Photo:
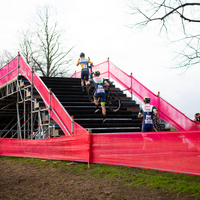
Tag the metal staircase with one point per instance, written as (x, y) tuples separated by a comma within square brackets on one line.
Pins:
[(78, 105), (23, 113)]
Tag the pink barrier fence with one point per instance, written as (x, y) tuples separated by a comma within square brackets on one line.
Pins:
[(172, 152), (161, 151), (63, 148), (168, 151), (166, 111)]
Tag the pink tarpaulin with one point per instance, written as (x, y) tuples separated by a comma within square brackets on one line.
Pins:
[(63, 148), (168, 151), (174, 152), (166, 111)]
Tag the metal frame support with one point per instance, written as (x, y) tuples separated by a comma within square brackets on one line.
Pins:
[(108, 68), (26, 119), (40, 127), (24, 115), (19, 135), (131, 86), (31, 103), (7, 77), (49, 130)]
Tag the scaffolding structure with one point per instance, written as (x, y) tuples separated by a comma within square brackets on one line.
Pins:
[(23, 113)]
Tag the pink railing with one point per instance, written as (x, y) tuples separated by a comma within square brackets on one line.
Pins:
[(166, 111), (57, 112)]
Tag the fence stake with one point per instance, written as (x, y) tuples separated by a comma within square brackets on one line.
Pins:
[(31, 103), (131, 87), (90, 148), (49, 131), (72, 119), (158, 101), (108, 69), (7, 77)]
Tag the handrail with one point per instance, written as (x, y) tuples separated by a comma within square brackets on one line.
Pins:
[(24, 69), (42, 91), (167, 112)]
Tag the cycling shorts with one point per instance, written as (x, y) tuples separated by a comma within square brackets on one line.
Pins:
[(102, 96), (84, 75), (147, 127)]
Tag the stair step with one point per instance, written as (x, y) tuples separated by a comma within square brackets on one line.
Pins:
[(77, 104), (114, 128), (107, 119)]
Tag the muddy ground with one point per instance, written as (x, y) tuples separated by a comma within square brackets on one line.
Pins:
[(28, 180)]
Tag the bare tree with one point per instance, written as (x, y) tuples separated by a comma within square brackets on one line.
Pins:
[(178, 19), (43, 47), (5, 57)]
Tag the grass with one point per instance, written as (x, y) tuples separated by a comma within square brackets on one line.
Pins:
[(181, 184)]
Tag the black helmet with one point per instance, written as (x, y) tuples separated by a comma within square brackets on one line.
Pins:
[(146, 99), (97, 73), (82, 55)]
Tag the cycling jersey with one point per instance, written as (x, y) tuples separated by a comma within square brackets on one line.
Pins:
[(147, 112), (84, 64), (84, 68), (100, 91)]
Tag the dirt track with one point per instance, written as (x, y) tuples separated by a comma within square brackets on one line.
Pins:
[(28, 180)]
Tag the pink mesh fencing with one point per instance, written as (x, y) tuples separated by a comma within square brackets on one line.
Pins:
[(166, 111), (165, 151), (168, 151), (64, 148)]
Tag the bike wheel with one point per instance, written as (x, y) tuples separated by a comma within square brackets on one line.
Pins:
[(156, 125), (91, 91), (113, 102)]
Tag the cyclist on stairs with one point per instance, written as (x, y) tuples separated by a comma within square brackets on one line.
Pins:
[(147, 111), (84, 69), (100, 92)]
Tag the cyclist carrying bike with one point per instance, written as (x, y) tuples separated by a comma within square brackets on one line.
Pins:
[(84, 69), (100, 92), (147, 111)]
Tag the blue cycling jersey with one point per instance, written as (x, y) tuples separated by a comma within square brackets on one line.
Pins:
[(98, 84), (147, 111), (100, 91)]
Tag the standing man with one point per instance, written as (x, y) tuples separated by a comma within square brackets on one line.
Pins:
[(147, 111), (99, 92), (84, 69), (197, 117)]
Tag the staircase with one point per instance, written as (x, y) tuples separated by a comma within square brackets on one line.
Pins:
[(69, 93), (77, 104)]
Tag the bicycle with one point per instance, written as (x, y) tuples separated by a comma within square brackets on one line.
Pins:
[(156, 125), (112, 99)]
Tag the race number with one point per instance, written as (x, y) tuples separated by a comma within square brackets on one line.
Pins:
[(100, 89), (148, 120)]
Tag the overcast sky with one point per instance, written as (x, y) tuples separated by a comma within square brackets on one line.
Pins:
[(99, 29)]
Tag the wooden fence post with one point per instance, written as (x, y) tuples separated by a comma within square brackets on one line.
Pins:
[(90, 148)]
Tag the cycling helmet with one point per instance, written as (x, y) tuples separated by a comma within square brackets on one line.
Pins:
[(97, 73), (146, 99), (82, 55)]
